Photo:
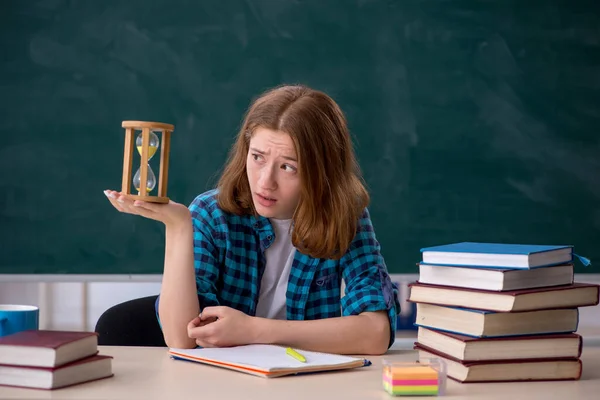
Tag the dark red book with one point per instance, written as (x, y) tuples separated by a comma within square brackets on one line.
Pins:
[(80, 371), (45, 348), (548, 369), (547, 298)]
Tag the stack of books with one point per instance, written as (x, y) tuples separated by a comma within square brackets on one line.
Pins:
[(500, 312), (44, 359)]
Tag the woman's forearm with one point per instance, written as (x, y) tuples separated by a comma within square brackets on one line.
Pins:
[(368, 333), (178, 296)]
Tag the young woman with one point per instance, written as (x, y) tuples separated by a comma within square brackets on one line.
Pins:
[(261, 258)]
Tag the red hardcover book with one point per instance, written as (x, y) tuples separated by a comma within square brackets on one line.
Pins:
[(45, 348), (547, 298), (80, 371), (548, 369)]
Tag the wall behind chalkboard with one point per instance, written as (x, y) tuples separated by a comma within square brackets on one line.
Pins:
[(472, 120)]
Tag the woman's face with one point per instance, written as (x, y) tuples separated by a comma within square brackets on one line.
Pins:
[(272, 167)]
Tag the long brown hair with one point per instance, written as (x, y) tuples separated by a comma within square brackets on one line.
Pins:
[(332, 196)]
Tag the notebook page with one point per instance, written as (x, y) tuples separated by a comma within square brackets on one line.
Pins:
[(266, 357)]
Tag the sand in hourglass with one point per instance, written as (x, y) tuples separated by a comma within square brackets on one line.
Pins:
[(153, 145)]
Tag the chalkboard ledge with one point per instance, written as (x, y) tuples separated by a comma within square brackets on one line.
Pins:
[(81, 278)]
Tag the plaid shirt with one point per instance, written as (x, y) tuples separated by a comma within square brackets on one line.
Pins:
[(229, 261)]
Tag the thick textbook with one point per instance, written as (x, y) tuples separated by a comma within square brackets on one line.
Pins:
[(498, 279), (567, 296), (47, 348), (85, 370), (477, 323), (498, 255), (506, 370), (466, 348)]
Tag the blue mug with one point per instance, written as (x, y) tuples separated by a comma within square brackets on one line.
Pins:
[(15, 318)]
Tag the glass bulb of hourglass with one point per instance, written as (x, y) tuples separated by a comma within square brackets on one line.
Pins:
[(153, 144), (150, 181)]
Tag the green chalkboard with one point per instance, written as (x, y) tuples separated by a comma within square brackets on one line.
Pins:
[(473, 120)]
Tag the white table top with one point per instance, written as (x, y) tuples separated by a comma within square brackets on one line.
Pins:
[(149, 373)]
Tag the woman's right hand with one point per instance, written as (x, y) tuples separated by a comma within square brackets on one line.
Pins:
[(171, 214)]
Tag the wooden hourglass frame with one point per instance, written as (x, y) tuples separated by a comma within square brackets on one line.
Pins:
[(130, 143)]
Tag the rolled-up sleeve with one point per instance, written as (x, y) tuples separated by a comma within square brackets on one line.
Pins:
[(206, 256), (368, 284)]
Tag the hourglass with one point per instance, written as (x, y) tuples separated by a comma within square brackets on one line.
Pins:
[(147, 144)]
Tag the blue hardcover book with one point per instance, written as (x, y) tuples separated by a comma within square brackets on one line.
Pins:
[(497, 255), (478, 323)]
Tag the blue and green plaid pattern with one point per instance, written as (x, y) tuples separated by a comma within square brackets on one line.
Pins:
[(229, 261)]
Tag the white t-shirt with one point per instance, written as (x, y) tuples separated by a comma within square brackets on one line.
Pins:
[(279, 257)]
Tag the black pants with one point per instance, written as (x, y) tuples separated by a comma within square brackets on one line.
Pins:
[(132, 323)]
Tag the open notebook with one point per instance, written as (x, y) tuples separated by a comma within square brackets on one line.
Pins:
[(269, 361)]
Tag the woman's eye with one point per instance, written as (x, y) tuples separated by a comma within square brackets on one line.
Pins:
[(288, 168)]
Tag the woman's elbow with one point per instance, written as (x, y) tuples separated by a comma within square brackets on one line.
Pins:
[(378, 345), (377, 342), (180, 343)]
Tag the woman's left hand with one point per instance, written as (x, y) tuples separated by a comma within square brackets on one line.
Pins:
[(222, 326)]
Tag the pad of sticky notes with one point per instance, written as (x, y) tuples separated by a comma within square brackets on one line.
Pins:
[(411, 380)]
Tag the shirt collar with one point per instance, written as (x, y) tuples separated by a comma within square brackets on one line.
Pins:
[(260, 223)]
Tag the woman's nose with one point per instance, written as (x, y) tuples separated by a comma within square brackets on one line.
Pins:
[(266, 179)]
